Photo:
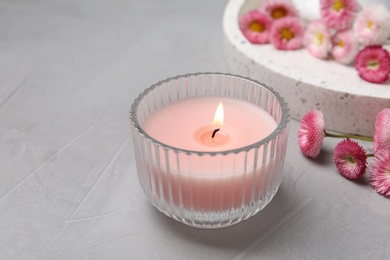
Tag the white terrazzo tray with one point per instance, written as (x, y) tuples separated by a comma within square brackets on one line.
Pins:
[(349, 104)]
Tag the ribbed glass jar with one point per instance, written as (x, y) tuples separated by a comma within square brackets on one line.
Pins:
[(210, 189)]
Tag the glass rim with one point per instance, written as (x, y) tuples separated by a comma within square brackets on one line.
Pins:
[(285, 118)]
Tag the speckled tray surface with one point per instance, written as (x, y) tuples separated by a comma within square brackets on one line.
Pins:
[(349, 104)]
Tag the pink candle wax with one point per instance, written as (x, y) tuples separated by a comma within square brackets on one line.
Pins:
[(184, 123), (217, 182)]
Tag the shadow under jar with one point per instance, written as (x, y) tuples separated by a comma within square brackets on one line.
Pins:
[(202, 173)]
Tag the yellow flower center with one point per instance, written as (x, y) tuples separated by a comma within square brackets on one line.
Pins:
[(320, 38), (373, 64), (286, 34), (256, 27), (370, 24), (341, 44), (278, 12), (338, 5), (350, 160)]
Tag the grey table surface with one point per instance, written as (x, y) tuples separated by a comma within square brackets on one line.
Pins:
[(69, 71)]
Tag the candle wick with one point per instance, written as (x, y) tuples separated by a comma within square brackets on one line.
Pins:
[(214, 132)]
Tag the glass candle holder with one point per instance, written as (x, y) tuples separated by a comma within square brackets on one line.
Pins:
[(225, 178)]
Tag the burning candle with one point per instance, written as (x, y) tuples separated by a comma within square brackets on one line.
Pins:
[(209, 160), (186, 124)]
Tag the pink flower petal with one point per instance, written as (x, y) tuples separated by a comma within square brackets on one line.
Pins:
[(255, 26), (317, 39), (380, 172), (287, 34), (278, 9), (373, 64), (350, 159), (311, 133), (372, 25), (382, 130), (344, 47), (338, 14)]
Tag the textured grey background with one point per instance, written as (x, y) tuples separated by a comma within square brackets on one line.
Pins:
[(69, 71)]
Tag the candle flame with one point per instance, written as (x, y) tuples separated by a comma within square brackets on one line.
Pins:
[(218, 117)]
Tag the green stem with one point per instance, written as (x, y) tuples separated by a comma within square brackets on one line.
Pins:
[(359, 137), (369, 154)]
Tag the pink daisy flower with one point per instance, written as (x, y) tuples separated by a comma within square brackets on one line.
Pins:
[(382, 130), (373, 64), (317, 39), (380, 172), (311, 133), (372, 25), (255, 26), (350, 159), (287, 34), (277, 9), (344, 46), (338, 14)]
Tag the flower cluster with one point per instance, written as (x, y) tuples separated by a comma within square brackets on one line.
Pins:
[(276, 22), (345, 32), (349, 157), (352, 35)]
